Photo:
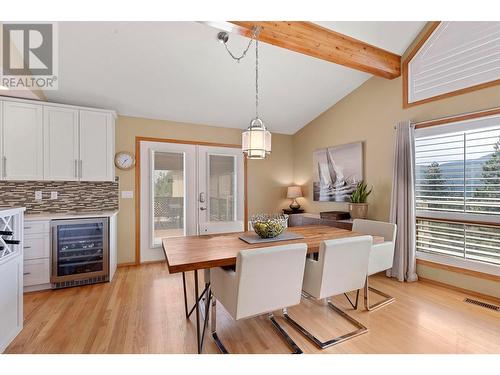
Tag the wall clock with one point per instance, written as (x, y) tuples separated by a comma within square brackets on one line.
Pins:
[(124, 160)]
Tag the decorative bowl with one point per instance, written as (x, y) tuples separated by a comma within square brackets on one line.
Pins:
[(269, 226)]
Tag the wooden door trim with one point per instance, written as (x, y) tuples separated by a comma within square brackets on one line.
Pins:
[(404, 68), (138, 141)]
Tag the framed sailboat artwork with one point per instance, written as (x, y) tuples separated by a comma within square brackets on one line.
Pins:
[(337, 171)]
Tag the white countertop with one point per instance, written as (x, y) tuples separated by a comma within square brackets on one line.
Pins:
[(68, 215)]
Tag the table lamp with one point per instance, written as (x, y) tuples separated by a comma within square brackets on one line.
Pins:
[(294, 192)]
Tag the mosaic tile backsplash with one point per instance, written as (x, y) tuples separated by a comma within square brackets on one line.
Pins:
[(72, 196)]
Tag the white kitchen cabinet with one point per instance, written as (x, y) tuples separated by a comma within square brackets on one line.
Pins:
[(96, 146), (22, 141), (55, 142), (60, 139), (36, 255)]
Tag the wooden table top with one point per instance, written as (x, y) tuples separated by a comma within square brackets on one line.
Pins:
[(191, 253)]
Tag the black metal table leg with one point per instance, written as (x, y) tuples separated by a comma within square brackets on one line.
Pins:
[(185, 296), (197, 308)]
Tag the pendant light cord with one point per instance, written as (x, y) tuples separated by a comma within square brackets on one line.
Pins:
[(256, 76), (255, 36)]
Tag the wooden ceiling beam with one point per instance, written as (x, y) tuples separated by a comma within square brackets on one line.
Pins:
[(313, 40)]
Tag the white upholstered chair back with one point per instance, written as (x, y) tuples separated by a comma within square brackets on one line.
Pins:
[(341, 267), (269, 278), (265, 280), (382, 254)]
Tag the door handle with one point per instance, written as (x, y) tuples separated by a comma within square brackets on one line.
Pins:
[(203, 208)]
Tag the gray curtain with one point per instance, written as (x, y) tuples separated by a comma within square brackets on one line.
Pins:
[(403, 204)]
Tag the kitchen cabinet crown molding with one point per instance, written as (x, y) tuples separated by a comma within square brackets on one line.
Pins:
[(55, 104)]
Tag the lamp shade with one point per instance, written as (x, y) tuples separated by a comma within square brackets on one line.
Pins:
[(256, 140), (294, 192)]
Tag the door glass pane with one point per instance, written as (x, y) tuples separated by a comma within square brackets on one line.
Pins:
[(222, 194), (168, 195)]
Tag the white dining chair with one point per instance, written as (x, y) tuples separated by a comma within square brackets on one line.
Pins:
[(381, 256), (265, 280), (341, 267)]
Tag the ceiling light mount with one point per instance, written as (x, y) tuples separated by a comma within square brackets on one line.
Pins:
[(223, 37)]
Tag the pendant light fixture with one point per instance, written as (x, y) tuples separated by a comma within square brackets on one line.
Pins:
[(256, 139)]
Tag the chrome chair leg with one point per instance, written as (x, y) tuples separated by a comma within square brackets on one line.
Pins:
[(388, 299), (355, 304), (222, 348), (337, 340), (289, 341), (213, 328)]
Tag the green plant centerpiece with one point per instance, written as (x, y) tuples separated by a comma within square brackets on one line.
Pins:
[(358, 208), (269, 226)]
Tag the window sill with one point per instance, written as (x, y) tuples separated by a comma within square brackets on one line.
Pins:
[(458, 265)]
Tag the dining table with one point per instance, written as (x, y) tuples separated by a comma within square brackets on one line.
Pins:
[(202, 252)]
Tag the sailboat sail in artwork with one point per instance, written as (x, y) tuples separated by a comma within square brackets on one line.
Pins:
[(339, 171)]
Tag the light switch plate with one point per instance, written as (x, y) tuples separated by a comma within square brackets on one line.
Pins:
[(38, 195), (127, 194), (53, 195)]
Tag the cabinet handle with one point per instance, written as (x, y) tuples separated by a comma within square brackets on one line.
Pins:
[(26, 273), (81, 168), (4, 168), (76, 168), (27, 227), (26, 247)]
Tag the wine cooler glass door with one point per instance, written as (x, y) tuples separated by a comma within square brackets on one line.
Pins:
[(80, 249)]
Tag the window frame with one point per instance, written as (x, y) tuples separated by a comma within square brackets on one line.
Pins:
[(442, 126)]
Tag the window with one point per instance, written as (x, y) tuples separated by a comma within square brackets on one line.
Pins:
[(457, 190)]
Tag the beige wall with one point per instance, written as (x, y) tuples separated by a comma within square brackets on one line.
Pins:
[(267, 179), (369, 114)]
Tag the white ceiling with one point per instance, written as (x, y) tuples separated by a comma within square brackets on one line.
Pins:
[(178, 71)]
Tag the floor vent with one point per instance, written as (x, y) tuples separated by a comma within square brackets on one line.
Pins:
[(482, 304), (69, 284)]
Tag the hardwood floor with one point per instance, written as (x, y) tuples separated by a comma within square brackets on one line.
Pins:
[(142, 311)]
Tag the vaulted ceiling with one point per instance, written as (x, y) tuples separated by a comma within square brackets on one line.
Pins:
[(179, 71)]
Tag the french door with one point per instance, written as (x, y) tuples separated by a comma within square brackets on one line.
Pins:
[(187, 190)]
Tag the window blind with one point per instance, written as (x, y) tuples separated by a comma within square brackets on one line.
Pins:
[(457, 190), (459, 172)]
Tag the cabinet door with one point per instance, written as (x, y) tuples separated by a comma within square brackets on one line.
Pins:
[(60, 141), (96, 146), (22, 141)]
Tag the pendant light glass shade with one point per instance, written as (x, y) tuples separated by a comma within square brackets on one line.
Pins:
[(256, 140)]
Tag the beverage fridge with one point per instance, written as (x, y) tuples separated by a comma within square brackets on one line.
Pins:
[(80, 252)]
